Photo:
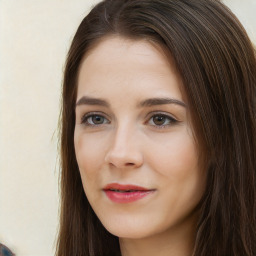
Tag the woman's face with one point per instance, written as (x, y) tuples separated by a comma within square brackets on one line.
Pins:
[(133, 140)]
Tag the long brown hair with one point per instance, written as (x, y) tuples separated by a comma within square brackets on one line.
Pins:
[(217, 63)]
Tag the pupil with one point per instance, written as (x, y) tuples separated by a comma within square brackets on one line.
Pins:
[(97, 120), (159, 120)]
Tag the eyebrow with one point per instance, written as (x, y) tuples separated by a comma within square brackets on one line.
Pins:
[(161, 101), (85, 100)]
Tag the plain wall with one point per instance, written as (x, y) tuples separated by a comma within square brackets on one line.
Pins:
[(34, 38)]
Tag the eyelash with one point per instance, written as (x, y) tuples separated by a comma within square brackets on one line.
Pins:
[(86, 117), (171, 120)]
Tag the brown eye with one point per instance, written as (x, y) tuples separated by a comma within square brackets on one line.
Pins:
[(159, 120), (162, 120)]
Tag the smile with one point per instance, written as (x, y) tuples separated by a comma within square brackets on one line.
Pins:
[(126, 193)]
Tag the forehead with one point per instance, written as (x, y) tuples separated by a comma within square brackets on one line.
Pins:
[(120, 43), (125, 64)]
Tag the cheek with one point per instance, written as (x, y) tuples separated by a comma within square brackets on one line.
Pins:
[(89, 154), (175, 155), (175, 160)]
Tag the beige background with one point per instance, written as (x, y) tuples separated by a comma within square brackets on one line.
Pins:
[(34, 39)]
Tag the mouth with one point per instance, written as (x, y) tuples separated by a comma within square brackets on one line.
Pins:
[(126, 193)]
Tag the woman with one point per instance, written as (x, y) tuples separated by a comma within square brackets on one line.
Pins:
[(158, 144)]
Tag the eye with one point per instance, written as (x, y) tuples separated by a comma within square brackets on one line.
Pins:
[(94, 119), (161, 120)]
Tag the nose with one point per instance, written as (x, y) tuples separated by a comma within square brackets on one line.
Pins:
[(124, 150)]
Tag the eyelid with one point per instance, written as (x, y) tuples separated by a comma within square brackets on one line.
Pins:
[(90, 114), (173, 120), (159, 112)]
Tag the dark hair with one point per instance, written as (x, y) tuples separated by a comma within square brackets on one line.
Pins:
[(217, 63)]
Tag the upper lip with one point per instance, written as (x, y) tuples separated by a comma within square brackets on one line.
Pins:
[(125, 187)]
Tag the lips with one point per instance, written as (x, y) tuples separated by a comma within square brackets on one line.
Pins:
[(126, 193)]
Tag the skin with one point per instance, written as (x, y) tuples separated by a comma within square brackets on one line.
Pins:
[(146, 145)]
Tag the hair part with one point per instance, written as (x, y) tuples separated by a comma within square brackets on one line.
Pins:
[(216, 60)]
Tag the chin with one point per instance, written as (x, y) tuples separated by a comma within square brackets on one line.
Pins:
[(130, 227), (127, 232)]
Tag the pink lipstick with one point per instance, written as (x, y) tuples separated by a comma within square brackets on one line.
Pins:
[(126, 193)]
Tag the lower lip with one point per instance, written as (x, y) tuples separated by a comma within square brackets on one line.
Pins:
[(126, 197)]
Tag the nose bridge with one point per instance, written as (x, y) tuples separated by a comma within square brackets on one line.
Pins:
[(123, 135), (124, 149)]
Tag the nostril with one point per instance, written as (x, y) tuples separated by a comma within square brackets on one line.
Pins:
[(129, 164)]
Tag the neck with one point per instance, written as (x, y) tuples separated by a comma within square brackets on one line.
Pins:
[(176, 241)]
